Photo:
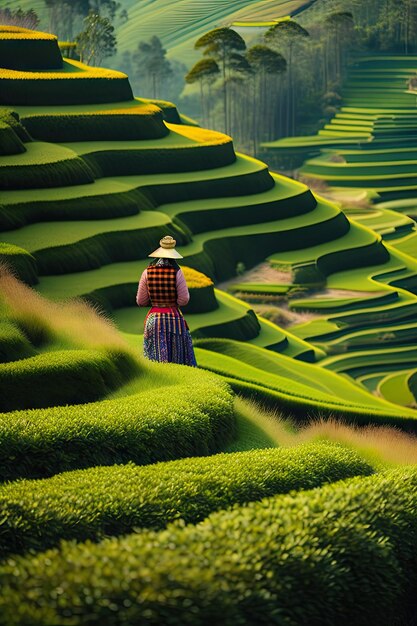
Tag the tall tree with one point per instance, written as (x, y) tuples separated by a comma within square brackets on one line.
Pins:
[(204, 72), (97, 41), (66, 16), (340, 27), (285, 35), (151, 66), (266, 64), (221, 44), (105, 8)]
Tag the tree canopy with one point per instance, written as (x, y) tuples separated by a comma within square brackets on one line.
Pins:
[(97, 41)]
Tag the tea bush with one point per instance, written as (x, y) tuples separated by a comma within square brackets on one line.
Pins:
[(76, 83), (20, 261), (72, 171), (86, 207), (119, 124), (93, 503), (60, 377), (161, 160), (201, 288), (23, 49), (193, 418), (340, 554), (104, 248), (9, 141), (13, 343)]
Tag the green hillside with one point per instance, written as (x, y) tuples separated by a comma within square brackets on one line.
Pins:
[(90, 209), (366, 159), (117, 474), (179, 23)]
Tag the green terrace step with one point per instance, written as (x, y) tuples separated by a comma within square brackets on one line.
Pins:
[(350, 243), (43, 165), (254, 375), (369, 361), (336, 305), (374, 156), (287, 198), (370, 381), (365, 338), (385, 222), (74, 83), (366, 169), (251, 175), (324, 223), (394, 388)]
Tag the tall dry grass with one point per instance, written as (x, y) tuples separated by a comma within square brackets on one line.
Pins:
[(71, 321), (383, 446)]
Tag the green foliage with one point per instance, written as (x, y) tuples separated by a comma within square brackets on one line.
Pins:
[(243, 328), (102, 501), (103, 248), (293, 559), (97, 41), (204, 71), (13, 342), (286, 32), (52, 90), (67, 377), (194, 417), (220, 42), (104, 206), (72, 171), (266, 60), (101, 126), (30, 53), (202, 300), (412, 384), (9, 141), (162, 160), (151, 68), (20, 262), (12, 133), (10, 117)]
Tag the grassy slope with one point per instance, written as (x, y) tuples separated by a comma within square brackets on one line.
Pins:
[(162, 411), (35, 237), (179, 23)]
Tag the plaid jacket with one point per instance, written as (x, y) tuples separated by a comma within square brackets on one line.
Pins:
[(162, 285)]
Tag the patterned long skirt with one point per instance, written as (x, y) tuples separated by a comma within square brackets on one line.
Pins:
[(167, 339)]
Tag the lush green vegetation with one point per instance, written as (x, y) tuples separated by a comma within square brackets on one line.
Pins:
[(104, 500), (97, 442), (256, 557)]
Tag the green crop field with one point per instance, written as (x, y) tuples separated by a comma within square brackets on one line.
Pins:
[(240, 491), (178, 23)]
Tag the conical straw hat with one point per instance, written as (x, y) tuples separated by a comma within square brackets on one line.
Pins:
[(167, 249)]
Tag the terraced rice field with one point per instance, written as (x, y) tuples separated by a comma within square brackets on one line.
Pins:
[(118, 474), (104, 225), (366, 157)]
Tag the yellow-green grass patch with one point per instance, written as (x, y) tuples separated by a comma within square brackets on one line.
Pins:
[(395, 388), (74, 83)]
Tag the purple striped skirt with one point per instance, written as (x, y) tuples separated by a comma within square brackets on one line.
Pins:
[(167, 338)]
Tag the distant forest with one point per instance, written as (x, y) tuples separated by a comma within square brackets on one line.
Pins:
[(286, 82)]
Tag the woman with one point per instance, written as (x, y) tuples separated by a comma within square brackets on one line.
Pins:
[(166, 335)]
